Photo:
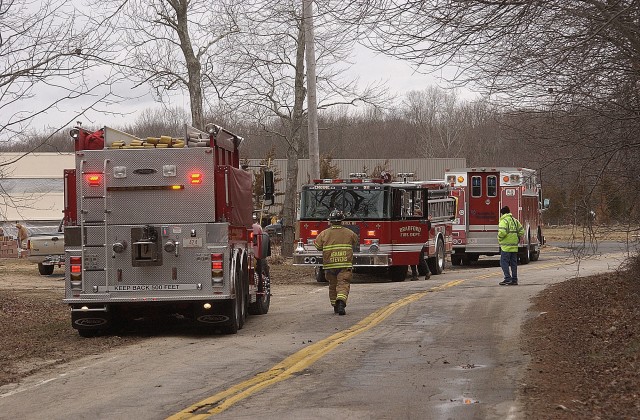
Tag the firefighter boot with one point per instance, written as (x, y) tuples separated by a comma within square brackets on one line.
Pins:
[(340, 307)]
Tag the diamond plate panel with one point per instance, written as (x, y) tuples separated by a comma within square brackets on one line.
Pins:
[(143, 194)]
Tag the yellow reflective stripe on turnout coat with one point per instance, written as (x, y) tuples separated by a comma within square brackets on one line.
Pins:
[(336, 244)]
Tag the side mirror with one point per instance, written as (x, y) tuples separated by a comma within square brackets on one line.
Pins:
[(269, 188)]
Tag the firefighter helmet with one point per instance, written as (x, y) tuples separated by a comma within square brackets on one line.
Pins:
[(336, 216)]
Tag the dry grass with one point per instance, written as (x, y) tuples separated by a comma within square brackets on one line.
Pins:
[(601, 233)]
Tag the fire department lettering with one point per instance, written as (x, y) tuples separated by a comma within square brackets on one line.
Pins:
[(409, 231)]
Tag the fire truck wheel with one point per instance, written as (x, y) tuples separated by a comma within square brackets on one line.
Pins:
[(436, 263), (535, 255), (45, 270), (243, 276), (525, 255), (236, 306), (423, 269), (263, 280), (398, 272), (320, 278)]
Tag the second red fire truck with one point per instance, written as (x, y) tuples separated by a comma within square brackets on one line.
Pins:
[(399, 223), (481, 193)]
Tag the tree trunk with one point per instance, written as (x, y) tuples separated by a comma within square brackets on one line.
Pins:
[(312, 107), (297, 118), (192, 63)]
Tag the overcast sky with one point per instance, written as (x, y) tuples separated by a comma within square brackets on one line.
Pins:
[(369, 67)]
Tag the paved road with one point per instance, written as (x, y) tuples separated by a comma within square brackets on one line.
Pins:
[(443, 348)]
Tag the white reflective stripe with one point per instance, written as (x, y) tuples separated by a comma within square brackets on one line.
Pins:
[(399, 247)]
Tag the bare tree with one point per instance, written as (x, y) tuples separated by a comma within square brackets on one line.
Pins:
[(270, 55), (46, 50), (437, 117), (174, 46), (568, 70), (48, 58)]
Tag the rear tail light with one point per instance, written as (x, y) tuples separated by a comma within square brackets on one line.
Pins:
[(75, 272), (94, 180), (217, 268)]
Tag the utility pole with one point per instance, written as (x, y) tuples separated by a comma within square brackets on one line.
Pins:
[(312, 105)]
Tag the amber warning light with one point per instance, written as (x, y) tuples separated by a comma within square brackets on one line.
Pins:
[(195, 178)]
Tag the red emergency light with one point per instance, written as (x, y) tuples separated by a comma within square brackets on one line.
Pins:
[(94, 180)]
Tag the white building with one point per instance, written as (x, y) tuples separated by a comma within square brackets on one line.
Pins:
[(31, 188)]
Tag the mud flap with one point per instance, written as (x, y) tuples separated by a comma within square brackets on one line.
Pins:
[(93, 319), (215, 317)]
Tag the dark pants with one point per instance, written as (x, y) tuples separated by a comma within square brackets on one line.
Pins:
[(509, 260)]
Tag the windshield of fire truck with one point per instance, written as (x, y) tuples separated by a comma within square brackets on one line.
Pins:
[(357, 202)]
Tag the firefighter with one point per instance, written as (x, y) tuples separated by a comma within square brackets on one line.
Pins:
[(509, 233), (336, 243)]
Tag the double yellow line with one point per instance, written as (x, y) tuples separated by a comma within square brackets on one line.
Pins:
[(296, 362), (306, 357)]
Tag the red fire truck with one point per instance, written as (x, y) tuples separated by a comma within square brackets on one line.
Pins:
[(481, 193), (399, 223), (161, 226)]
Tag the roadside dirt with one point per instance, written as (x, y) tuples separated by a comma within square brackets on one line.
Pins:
[(583, 338)]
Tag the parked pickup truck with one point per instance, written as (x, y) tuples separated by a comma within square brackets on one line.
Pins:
[(46, 249)]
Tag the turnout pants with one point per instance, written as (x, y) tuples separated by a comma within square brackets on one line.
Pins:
[(339, 284)]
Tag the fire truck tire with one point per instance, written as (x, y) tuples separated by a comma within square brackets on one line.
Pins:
[(525, 256), (243, 276), (535, 255), (45, 270), (398, 272), (436, 263), (263, 280), (233, 326), (236, 309), (320, 278), (423, 268)]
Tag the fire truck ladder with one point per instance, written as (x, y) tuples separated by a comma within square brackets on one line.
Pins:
[(441, 206), (89, 223), (441, 209)]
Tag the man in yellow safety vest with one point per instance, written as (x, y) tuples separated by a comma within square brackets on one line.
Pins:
[(509, 233)]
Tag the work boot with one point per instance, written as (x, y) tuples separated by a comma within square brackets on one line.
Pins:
[(340, 307), (335, 308)]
